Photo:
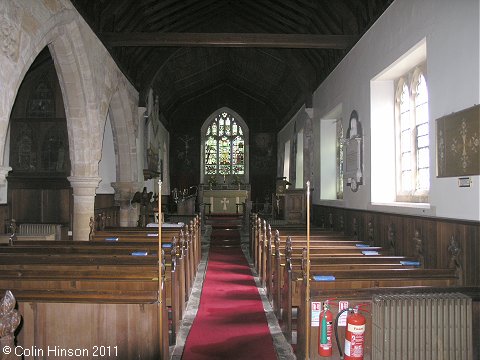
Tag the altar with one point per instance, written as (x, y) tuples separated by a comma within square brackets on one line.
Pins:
[(225, 200)]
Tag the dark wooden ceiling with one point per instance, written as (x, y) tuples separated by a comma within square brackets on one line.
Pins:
[(205, 53)]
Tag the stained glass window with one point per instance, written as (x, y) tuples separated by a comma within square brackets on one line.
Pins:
[(224, 147)]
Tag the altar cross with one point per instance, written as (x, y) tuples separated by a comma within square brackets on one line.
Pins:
[(225, 201)]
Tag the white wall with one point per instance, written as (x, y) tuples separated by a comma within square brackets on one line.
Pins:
[(328, 162), (451, 29), (289, 132), (299, 161)]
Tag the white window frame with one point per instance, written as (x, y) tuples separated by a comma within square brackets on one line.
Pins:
[(414, 195)]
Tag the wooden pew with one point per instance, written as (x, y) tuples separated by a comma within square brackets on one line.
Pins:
[(321, 245), (188, 234), (102, 256), (295, 281), (353, 272), (265, 243), (134, 289), (102, 275)]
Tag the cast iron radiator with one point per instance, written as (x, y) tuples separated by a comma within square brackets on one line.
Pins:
[(425, 326)]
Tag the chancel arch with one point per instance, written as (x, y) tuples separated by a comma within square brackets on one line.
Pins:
[(224, 148)]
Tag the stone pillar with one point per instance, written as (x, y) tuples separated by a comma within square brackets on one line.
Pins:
[(83, 204), (308, 146), (124, 192), (3, 174), (3, 183)]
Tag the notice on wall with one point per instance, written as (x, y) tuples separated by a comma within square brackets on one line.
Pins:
[(316, 308), (342, 320)]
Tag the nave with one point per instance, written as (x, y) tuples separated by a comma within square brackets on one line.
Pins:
[(228, 315)]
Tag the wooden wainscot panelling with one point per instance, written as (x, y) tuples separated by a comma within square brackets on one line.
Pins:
[(4, 218), (436, 242), (459, 243), (106, 331)]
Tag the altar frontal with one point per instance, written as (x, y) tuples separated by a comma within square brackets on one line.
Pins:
[(225, 201)]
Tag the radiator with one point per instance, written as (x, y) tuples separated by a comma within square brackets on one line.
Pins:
[(436, 326), (53, 231)]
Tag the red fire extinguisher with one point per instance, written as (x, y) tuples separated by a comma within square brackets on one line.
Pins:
[(326, 330), (355, 336)]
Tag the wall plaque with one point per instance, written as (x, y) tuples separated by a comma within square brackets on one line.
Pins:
[(458, 143)]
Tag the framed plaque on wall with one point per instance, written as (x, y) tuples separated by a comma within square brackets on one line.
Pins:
[(458, 143)]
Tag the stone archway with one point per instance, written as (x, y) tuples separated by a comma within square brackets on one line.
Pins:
[(84, 125), (87, 79)]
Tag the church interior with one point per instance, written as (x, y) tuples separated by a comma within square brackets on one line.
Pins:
[(213, 179)]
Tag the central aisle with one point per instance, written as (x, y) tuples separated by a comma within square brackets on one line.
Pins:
[(230, 322)]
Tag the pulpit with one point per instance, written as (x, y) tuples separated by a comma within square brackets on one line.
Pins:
[(225, 199), (291, 206), (186, 206)]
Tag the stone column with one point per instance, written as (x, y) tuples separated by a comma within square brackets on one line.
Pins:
[(83, 204), (124, 191), (3, 174), (3, 183), (308, 146)]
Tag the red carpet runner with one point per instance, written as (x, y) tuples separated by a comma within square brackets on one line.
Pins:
[(231, 322)]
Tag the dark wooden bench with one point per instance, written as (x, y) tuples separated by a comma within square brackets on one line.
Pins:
[(266, 246), (294, 283), (320, 246), (52, 263), (103, 284), (189, 235)]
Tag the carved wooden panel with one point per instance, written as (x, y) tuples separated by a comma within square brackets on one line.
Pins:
[(295, 206)]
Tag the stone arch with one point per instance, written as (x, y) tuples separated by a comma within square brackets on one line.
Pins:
[(84, 124), (122, 120), (87, 80), (121, 115), (62, 35)]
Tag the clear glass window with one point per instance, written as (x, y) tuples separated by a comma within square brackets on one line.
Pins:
[(413, 166)]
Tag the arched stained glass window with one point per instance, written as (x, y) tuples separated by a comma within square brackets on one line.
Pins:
[(224, 147)]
